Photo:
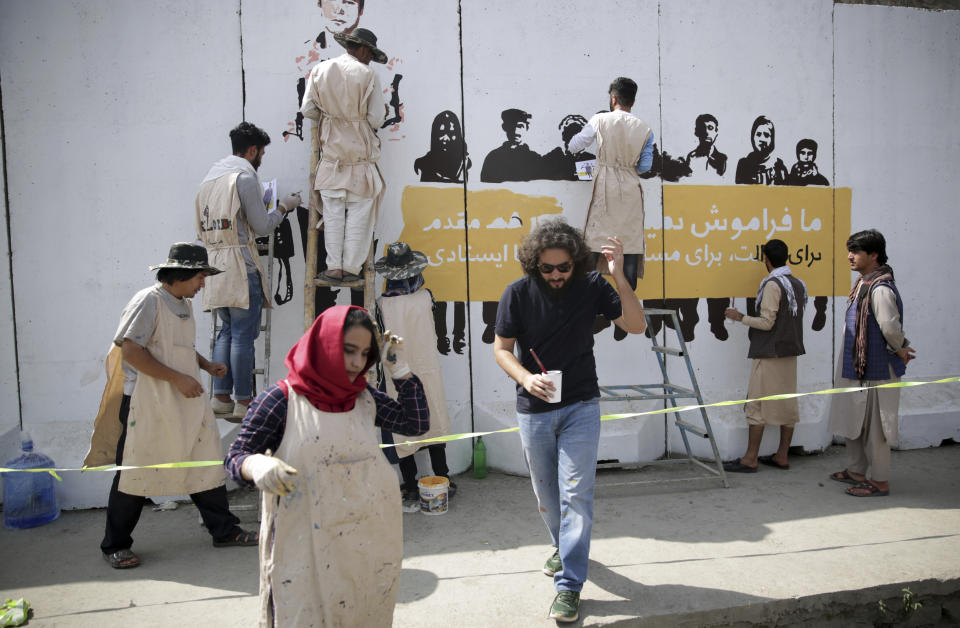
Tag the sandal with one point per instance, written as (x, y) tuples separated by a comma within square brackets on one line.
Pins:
[(845, 477), (770, 462), (241, 538), (122, 559), (870, 490), (738, 467)]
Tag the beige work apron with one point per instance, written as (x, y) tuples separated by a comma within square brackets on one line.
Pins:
[(410, 316), (106, 426), (616, 205), (217, 214), (330, 551), (165, 426)]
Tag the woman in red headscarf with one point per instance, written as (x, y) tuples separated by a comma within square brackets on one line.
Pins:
[(331, 537)]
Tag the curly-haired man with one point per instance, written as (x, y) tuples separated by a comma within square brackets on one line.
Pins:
[(550, 312)]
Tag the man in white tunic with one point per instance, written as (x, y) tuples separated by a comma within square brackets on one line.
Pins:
[(344, 98), (875, 351), (776, 339)]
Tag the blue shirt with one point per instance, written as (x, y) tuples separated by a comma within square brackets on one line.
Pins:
[(560, 329)]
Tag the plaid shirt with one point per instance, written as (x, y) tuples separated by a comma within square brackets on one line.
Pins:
[(266, 420)]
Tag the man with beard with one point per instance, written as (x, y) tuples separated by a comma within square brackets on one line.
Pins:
[(447, 160), (549, 313), (230, 211), (513, 160), (761, 166)]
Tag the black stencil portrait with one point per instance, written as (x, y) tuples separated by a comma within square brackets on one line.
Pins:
[(394, 103), (513, 160), (805, 170), (761, 166), (705, 157), (447, 160)]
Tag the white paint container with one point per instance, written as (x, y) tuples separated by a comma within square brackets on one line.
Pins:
[(433, 494)]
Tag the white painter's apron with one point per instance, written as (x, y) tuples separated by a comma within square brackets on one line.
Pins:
[(410, 316), (616, 205), (165, 426), (218, 211), (330, 551)]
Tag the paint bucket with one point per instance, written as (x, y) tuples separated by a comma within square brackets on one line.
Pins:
[(433, 494)]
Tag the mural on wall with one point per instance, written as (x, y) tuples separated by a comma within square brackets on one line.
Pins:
[(447, 160), (705, 158), (560, 164)]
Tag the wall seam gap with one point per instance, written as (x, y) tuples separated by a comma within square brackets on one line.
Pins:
[(243, 72), (466, 221), (13, 300), (833, 146), (663, 212)]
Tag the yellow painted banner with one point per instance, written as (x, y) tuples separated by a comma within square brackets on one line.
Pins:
[(708, 244)]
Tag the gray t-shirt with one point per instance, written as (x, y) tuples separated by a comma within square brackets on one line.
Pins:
[(139, 320), (260, 220)]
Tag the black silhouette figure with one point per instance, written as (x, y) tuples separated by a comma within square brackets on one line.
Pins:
[(805, 171), (560, 164), (513, 160), (394, 103), (705, 157), (298, 121), (459, 326), (447, 160), (686, 314), (760, 166), (666, 166)]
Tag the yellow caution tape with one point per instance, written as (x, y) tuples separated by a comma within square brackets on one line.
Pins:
[(453, 437)]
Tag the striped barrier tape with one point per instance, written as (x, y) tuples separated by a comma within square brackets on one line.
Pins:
[(453, 437)]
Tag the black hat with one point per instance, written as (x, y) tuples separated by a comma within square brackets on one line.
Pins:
[(189, 257), (363, 37), (400, 262)]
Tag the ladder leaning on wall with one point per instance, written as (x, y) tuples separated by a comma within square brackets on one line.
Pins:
[(670, 394)]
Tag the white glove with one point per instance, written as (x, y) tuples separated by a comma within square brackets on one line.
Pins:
[(393, 363), (291, 202), (271, 475)]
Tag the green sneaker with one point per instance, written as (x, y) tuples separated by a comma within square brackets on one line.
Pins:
[(553, 564), (566, 606)]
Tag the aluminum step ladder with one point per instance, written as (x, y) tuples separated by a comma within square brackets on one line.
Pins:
[(670, 392)]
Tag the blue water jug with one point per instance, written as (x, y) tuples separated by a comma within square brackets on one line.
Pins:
[(29, 499)]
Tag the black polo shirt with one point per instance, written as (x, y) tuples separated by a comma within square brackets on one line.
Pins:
[(560, 330)]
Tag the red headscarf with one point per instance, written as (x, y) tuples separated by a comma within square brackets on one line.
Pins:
[(316, 364)]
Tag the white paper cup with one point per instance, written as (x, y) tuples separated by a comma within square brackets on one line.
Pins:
[(557, 378)]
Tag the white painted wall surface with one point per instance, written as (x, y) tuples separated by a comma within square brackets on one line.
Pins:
[(114, 111)]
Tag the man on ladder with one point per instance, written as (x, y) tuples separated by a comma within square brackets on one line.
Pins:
[(230, 204), (344, 97)]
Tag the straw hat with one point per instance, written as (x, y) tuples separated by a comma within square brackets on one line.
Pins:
[(363, 37), (400, 262), (189, 257)]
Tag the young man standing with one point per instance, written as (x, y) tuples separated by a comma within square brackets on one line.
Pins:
[(776, 339), (875, 351), (551, 311), (230, 211), (164, 415)]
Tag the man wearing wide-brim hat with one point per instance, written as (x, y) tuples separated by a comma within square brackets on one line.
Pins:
[(154, 410), (344, 97)]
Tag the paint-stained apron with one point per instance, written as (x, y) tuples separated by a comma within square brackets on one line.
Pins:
[(217, 214), (106, 426), (330, 551), (164, 426), (411, 317), (616, 205)]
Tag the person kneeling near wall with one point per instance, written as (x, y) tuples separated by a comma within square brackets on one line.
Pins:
[(776, 339)]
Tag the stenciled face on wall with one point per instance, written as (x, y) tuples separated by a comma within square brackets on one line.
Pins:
[(447, 133), (341, 16), (806, 155), (516, 132), (763, 139), (707, 132)]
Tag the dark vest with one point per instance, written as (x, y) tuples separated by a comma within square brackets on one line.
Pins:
[(879, 359), (785, 338)]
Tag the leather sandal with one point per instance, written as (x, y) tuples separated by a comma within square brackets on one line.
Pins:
[(122, 559), (240, 538)]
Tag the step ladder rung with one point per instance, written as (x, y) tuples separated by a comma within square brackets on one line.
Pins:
[(317, 281), (667, 350), (691, 428)]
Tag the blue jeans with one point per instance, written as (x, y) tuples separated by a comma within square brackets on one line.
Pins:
[(234, 346), (560, 450)]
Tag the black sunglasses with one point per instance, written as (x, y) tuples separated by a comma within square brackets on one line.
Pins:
[(565, 267)]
